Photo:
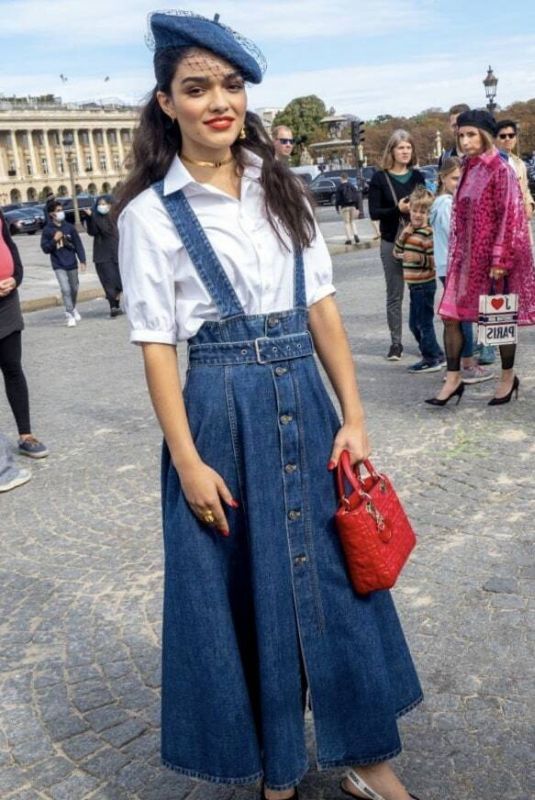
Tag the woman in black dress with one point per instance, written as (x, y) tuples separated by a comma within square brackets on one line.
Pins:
[(101, 225)]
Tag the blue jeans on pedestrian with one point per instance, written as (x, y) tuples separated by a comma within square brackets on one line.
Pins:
[(68, 283), (421, 320), (468, 333)]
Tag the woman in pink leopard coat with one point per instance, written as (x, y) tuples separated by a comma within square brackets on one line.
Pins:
[(489, 241)]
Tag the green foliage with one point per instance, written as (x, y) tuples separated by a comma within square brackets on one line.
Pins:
[(303, 116)]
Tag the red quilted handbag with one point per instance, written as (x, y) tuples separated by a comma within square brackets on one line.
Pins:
[(376, 535)]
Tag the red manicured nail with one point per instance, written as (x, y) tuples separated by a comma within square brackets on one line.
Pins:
[(223, 533), (234, 504), (331, 464)]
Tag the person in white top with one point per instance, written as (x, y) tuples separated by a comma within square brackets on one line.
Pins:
[(218, 245)]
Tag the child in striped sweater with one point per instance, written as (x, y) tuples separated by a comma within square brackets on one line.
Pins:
[(414, 248)]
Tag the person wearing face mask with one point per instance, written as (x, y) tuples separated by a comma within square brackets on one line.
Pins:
[(102, 227), (60, 240)]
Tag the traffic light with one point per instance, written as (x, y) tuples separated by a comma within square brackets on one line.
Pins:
[(357, 132)]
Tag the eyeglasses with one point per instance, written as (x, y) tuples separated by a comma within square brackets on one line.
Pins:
[(286, 141), (506, 135)]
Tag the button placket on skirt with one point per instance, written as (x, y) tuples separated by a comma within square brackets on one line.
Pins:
[(289, 432)]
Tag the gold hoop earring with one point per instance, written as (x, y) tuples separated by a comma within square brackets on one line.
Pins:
[(243, 133)]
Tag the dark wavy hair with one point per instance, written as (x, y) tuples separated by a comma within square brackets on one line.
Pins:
[(157, 140)]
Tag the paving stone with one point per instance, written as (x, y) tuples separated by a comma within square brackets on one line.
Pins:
[(49, 772), (501, 585), (77, 747), (106, 763), (124, 733), (76, 787), (80, 625)]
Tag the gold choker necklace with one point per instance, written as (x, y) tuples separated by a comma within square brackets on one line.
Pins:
[(213, 164)]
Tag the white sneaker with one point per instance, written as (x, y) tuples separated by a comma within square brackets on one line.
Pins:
[(71, 321), (76, 314), (21, 476)]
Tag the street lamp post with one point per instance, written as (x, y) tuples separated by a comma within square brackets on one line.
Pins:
[(491, 85), (68, 144)]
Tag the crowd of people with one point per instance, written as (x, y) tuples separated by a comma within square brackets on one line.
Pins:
[(219, 246), (475, 235)]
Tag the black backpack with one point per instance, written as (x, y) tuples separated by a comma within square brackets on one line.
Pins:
[(349, 193)]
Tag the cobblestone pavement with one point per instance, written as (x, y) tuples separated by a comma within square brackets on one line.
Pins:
[(81, 561)]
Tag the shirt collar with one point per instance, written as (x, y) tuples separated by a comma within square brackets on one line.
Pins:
[(178, 177)]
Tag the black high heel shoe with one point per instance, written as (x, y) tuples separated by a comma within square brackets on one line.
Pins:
[(458, 392), (295, 796), (500, 401)]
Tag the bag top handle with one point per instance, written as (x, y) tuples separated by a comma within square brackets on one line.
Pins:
[(352, 473)]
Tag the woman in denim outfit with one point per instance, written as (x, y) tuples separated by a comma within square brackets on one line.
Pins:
[(219, 246)]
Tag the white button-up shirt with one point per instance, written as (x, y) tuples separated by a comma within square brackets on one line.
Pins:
[(165, 298)]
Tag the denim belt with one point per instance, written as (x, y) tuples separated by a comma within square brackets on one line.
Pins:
[(264, 350)]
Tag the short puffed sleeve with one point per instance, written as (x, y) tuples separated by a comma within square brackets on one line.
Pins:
[(147, 262), (318, 269)]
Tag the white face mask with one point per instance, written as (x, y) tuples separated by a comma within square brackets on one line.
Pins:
[(104, 209), (59, 216)]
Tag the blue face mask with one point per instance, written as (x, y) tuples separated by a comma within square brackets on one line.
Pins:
[(103, 209)]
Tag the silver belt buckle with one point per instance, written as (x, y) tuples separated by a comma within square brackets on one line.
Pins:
[(257, 350)]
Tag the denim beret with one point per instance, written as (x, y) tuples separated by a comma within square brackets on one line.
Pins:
[(190, 30), (477, 118)]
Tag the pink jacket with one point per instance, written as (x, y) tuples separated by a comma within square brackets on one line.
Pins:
[(489, 228)]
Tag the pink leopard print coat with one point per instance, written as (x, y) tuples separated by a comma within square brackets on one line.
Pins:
[(489, 228)]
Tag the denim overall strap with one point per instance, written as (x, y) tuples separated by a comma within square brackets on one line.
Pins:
[(300, 296), (200, 252)]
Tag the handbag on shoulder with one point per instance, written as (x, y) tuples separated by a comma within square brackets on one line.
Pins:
[(376, 535)]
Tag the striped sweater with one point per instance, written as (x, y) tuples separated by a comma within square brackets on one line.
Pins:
[(414, 248)]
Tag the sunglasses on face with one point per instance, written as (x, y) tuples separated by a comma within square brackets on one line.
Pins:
[(286, 141), (506, 135)]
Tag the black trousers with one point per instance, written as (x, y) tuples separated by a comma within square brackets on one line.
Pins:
[(16, 386), (110, 278)]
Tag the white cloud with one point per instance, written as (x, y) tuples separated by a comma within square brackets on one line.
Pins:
[(405, 88), (77, 22)]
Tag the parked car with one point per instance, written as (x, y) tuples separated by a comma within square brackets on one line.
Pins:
[(367, 174), (11, 207), (430, 173), (324, 190), (23, 220)]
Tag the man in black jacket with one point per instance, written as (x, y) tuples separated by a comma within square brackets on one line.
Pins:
[(347, 199)]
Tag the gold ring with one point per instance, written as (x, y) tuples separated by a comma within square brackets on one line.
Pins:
[(208, 517)]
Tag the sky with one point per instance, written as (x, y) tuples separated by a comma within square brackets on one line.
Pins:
[(364, 57)]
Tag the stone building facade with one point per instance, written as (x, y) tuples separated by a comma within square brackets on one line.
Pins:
[(34, 161)]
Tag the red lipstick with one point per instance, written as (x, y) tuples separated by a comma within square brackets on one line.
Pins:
[(220, 123)]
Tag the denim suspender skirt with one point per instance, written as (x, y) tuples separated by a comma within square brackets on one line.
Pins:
[(253, 621)]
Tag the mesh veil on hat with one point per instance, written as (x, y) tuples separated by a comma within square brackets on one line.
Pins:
[(477, 118), (185, 29)]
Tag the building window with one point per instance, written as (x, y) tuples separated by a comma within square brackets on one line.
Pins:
[(88, 164), (29, 168), (112, 135), (44, 166), (60, 166), (97, 136), (116, 163), (55, 138), (102, 162), (40, 138), (84, 137)]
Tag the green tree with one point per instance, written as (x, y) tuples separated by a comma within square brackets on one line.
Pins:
[(303, 116)]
